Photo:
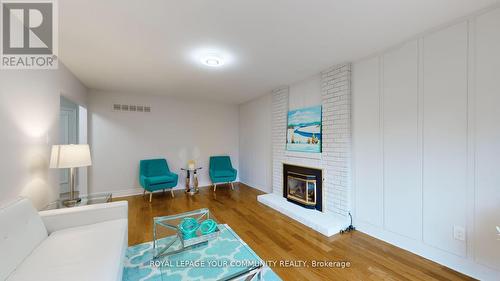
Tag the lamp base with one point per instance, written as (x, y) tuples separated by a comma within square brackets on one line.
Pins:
[(72, 202)]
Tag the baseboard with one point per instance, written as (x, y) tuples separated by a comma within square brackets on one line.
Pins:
[(256, 186), (463, 265), (127, 192)]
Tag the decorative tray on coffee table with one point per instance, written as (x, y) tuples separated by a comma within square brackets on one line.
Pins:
[(176, 233)]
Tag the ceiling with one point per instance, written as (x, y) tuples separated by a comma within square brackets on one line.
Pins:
[(137, 46)]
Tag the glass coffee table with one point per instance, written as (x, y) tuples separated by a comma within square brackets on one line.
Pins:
[(86, 200), (224, 256)]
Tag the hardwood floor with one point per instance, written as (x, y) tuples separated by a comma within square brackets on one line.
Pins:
[(276, 237)]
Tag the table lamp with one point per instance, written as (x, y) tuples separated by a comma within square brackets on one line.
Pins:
[(70, 156)]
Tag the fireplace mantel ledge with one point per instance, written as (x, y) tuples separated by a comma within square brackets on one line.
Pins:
[(327, 224), (307, 155)]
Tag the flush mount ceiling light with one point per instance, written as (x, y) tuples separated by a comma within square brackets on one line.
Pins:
[(211, 57), (212, 60)]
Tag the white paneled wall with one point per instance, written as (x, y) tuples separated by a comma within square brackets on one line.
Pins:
[(486, 93), (445, 136), (402, 188), (367, 141), (426, 144)]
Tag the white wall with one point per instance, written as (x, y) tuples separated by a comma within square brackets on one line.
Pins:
[(176, 129), (426, 145), (255, 143), (306, 93), (256, 132), (29, 121)]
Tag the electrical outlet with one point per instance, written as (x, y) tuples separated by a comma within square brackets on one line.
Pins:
[(459, 233)]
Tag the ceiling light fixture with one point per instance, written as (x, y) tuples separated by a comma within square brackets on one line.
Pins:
[(212, 60)]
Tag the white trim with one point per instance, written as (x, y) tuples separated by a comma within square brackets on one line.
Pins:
[(420, 129), (127, 192), (471, 140)]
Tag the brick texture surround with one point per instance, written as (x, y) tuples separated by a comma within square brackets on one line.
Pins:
[(279, 119), (335, 158)]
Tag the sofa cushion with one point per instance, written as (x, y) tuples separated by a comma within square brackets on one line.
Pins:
[(223, 173), (21, 231), (90, 252)]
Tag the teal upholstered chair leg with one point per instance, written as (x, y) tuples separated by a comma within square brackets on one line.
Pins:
[(231, 183)]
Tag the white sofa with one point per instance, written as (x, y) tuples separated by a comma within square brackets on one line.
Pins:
[(80, 243)]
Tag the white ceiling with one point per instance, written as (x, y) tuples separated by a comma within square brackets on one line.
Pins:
[(139, 46)]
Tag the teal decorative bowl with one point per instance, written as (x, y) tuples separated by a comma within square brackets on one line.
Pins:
[(208, 226), (188, 228)]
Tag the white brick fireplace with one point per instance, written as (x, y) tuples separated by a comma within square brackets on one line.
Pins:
[(335, 159)]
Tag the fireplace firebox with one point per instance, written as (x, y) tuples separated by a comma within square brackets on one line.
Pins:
[(303, 186)]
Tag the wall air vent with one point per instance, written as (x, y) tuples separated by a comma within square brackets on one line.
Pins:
[(131, 108)]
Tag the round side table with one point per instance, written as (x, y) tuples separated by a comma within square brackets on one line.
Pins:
[(191, 180)]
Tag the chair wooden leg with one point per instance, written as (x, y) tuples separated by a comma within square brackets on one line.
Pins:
[(232, 186), (150, 197), (144, 192), (215, 186), (172, 192)]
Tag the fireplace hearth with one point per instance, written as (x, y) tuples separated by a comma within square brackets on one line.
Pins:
[(303, 186)]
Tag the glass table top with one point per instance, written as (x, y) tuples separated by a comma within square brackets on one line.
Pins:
[(167, 238), (226, 257), (222, 257), (191, 169), (86, 200)]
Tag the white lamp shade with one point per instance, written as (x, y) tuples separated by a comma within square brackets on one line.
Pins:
[(70, 156)]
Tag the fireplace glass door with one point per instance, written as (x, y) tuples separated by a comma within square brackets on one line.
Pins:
[(301, 188)]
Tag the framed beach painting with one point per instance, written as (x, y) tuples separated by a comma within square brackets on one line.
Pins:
[(304, 130)]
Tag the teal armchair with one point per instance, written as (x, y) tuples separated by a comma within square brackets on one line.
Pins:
[(222, 171), (154, 175)]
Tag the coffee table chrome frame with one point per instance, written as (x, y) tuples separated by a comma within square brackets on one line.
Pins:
[(201, 214)]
